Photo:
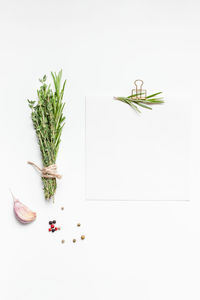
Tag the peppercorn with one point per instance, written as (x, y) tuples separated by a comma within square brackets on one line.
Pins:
[(54, 221), (74, 240), (53, 229), (78, 224), (50, 229), (52, 226), (82, 237), (62, 241), (62, 208), (56, 228), (50, 222)]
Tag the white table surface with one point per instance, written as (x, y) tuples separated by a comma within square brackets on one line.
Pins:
[(143, 251)]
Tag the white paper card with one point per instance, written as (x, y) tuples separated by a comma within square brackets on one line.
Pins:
[(132, 156)]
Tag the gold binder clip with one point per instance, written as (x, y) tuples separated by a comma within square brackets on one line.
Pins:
[(138, 92)]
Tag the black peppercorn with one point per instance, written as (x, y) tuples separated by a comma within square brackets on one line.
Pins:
[(54, 221), (50, 222), (53, 229)]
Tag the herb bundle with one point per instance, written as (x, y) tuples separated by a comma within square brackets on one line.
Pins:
[(134, 101), (48, 121)]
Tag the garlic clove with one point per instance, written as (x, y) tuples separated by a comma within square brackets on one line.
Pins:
[(22, 212)]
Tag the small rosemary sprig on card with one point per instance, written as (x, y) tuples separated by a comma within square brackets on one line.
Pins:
[(134, 101), (48, 121)]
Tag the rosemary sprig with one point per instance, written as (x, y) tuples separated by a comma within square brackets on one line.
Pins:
[(134, 101), (48, 121)]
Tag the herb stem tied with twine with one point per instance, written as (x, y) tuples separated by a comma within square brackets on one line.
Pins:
[(48, 121)]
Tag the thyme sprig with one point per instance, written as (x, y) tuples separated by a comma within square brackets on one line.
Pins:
[(48, 121), (135, 101)]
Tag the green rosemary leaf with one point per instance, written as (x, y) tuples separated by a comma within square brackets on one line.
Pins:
[(150, 96), (63, 88), (154, 101), (132, 96), (134, 106), (142, 105), (127, 101)]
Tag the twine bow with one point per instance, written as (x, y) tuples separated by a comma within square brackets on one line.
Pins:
[(47, 172)]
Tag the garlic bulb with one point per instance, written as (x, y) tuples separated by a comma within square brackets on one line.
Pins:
[(22, 212)]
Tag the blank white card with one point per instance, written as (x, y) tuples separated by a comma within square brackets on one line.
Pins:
[(139, 157)]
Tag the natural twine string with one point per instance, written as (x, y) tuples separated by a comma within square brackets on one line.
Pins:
[(47, 172)]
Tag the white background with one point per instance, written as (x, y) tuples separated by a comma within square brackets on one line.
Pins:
[(143, 251)]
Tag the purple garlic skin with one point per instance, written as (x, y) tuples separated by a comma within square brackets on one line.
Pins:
[(22, 212)]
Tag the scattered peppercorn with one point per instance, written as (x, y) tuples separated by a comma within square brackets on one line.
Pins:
[(79, 224), (62, 241), (74, 240), (62, 208), (52, 226), (82, 237)]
